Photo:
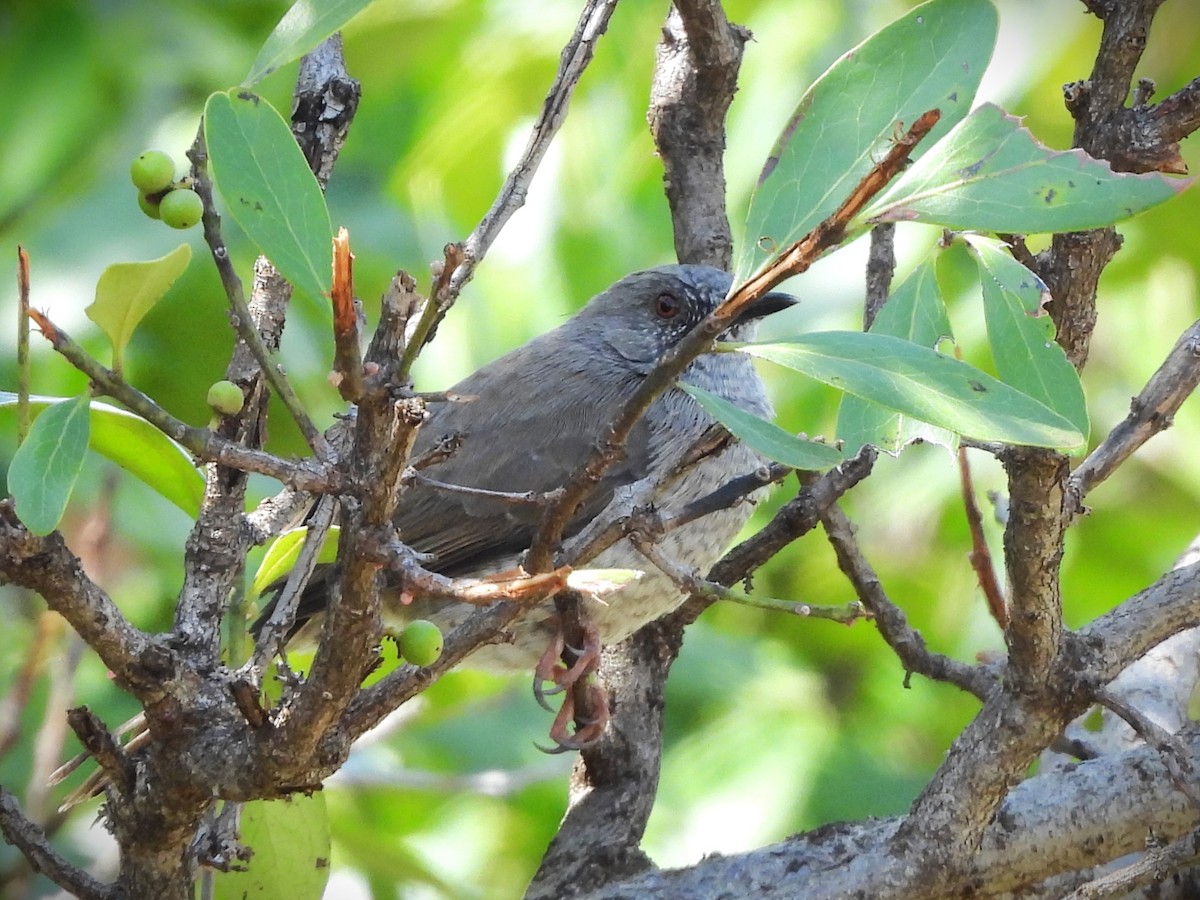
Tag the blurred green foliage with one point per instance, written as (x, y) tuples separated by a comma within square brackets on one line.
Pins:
[(773, 724)]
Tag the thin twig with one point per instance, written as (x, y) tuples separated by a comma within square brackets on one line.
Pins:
[(240, 316), (893, 625), (1151, 411), (205, 444), (593, 22), (1175, 755), (980, 556), (22, 343), (347, 336), (792, 261), (277, 628), (522, 498), (691, 583), (795, 518), (1155, 865)]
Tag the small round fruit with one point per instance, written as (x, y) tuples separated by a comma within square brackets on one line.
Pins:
[(181, 208), (225, 398), (149, 205), (152, 172), (421, 643)]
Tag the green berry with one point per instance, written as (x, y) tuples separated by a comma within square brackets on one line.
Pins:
[(152, 172), (149, 205), (421, 643), (181, 208), (225, 398)]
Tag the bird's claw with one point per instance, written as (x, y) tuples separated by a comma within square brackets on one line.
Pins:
[(580, 693)]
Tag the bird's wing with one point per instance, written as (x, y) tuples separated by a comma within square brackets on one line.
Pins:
[(518, 436)]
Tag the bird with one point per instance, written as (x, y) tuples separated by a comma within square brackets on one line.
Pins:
[(530, 419), (533, 417)]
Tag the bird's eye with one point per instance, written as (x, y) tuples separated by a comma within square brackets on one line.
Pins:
[(666, 306)]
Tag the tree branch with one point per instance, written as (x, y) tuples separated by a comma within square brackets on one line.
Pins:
[(593, 22), (139, 663), (31, 841)]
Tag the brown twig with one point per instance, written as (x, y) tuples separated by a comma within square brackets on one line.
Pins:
[(893, 625), (205, 444), (795, 518), (1175, 755), (347, 337), (1151, 411), (1154, 866), (791, 261), (22, 343), (980, 556), (100, 744), (440, 300)]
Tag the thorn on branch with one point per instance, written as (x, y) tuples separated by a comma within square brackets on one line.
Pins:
[(99, 742)]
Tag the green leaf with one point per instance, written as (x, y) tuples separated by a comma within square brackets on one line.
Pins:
[(766, 437), (138, 447), (269, 189), (922, 383), (45, 466), (291, 844), (914, 312), (283, 552), (127, 291), (932, 58), (990, 174), (302, 27), (1021, 333)]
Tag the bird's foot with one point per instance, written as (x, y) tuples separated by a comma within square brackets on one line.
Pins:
[(584, 702)]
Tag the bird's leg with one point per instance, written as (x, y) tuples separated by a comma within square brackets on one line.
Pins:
[(584, 701)]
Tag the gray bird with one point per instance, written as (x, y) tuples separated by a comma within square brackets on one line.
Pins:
[(538, 413)]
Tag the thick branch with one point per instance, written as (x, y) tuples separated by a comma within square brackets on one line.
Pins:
[(31, 841), (1094, 812), (695, 76)]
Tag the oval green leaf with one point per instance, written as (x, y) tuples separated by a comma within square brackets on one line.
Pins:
[(922, 383), (291, 844), (1021, 333), (302, 27), (127, 291), (138, 447), (766, 437), (283, 552), (932, 58), (914, 312), (46, 465), (269, 189), (990, 174)]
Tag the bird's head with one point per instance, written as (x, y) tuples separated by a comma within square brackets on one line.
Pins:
[(647, 313)]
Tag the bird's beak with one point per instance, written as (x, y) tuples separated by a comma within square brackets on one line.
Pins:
[(774, 302)]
